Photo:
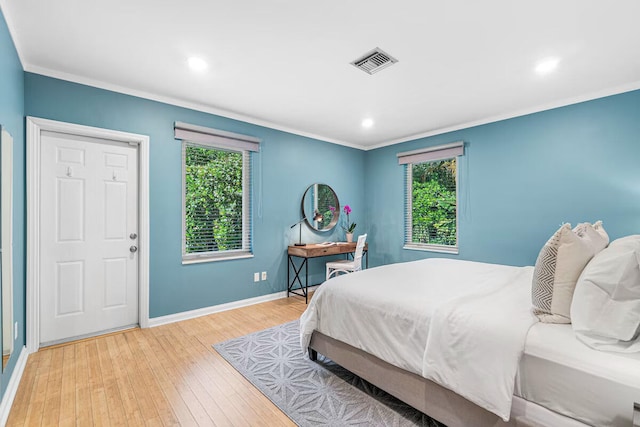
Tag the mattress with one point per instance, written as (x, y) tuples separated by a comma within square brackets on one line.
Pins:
[(562, 374), (386, 311)]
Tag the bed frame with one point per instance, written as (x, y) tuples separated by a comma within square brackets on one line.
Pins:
[(432, 399)]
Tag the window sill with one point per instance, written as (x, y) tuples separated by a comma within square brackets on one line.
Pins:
[(200, 260), (433, 248)]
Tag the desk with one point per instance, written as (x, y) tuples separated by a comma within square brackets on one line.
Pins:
[(314, 251)]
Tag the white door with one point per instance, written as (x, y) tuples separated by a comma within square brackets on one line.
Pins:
[(88, 236)]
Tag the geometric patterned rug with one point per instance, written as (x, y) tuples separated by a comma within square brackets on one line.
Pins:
[(317, 393)]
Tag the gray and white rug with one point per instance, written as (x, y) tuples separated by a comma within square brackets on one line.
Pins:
[(313, 393)]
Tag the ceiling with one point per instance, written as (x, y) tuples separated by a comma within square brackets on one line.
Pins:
[(286, 63)]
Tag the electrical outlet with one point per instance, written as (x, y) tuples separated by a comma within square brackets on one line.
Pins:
[(264, 275), (256, 277), (15, 331)]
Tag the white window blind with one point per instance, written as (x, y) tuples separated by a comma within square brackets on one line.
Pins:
[(216, 196), (431, 195)]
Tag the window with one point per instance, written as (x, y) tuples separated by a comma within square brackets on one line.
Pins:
[(431, 199), (216, 196)]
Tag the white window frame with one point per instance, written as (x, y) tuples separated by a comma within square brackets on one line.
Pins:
[(429, 155), (246, 251), (193, 135)]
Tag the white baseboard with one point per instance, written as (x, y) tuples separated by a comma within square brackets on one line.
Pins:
[(12, 387), (313, 288), (185, 315)]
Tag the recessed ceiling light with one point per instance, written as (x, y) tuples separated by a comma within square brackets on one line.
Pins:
[(197, 64), (367, 123), (546, 66)]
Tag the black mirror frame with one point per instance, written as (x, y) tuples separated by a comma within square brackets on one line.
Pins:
[(336, 216)]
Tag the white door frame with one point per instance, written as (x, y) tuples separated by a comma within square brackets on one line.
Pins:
[(34, 128)]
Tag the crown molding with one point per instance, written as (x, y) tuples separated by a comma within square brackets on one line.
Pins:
[(259, 122), (73, 78), (518, 113)]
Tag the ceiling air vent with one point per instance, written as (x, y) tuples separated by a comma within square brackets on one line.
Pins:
[(374, 61)]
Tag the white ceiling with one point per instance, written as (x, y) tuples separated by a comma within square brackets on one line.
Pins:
[(285, 63)]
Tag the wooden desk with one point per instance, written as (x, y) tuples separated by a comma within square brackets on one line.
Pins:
[(314, 251)]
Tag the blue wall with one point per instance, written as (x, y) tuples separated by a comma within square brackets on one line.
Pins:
[(520, 179), (12, 119), (285, 166)]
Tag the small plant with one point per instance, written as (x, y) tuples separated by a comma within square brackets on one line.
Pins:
[(350, 225)]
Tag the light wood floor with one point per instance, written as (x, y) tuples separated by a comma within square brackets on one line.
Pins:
[(167, 375)]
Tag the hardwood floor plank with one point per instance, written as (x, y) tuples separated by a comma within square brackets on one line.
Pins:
[(194, 382), (167, 387), (151, 398), (68, 388), (154, 422), (84, 412), (135, 400), (180, 376), (112, 391), (169, 375), (25, 390), (99, 405), (36, 403)]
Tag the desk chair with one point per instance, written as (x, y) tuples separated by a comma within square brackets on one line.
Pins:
[(345, 265)]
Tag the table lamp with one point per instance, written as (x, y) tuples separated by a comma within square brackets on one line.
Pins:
[(317, 216)]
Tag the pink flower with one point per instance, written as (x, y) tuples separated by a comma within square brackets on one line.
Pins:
[(350, 225), (332, 209)]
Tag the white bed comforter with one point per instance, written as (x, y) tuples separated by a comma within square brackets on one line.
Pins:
[(460, 324)]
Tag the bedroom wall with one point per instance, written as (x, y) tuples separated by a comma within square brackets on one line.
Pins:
[(12, 118), (520, 179), (286, 165)]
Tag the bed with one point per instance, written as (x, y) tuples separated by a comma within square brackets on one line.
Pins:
[(457, 340)]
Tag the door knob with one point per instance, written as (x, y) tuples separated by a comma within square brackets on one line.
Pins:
[(132, 236), (133, 249)]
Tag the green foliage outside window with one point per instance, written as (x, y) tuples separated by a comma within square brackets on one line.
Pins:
[(213, 200), (434, 203), (325, 204)]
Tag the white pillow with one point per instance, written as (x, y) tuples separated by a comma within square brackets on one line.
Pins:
[(558, 267), (606, 303)]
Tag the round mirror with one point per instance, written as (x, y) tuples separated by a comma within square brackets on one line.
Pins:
[(320, 207)]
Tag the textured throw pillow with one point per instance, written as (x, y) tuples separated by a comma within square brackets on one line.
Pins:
[(593, 235), (558, 267), (606, 303)]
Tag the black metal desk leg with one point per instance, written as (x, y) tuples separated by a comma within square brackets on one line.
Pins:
[(306, 283), (297, 271)]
